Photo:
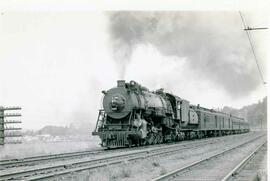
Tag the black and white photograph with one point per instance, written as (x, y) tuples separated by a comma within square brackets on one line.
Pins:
[(133, 91)]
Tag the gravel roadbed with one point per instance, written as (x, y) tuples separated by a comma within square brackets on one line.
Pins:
[(148, 169)]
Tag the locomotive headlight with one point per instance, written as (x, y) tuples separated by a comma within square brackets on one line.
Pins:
[(117, 103)]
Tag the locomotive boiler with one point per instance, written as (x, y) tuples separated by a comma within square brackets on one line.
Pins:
[(133, 115)]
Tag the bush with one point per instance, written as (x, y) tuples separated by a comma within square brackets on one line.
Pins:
[(163, 171), (156, 164), (125, 172)]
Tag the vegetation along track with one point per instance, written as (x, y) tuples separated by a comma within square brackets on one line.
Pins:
[(35, 160), (216, 166), (55, 169)]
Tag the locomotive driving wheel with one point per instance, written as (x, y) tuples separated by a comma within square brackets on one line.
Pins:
[(155, 139), (143, 142), (150, 138), (129, 142), (159, 138)]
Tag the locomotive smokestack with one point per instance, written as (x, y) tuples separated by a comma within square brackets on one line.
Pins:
[(121, 83)]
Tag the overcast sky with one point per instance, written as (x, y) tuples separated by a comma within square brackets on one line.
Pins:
[(55, 65)]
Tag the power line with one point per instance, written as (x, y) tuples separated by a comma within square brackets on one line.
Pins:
[(252, 47), (263, 28)]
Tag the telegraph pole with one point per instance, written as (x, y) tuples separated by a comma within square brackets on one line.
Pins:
[(7, 119), (247, 29)]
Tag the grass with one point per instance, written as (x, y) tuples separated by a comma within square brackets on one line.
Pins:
[(10, 151), (126, 171), (156, 164), (129, 171), (163, 171), (121, 172), (260, 176)]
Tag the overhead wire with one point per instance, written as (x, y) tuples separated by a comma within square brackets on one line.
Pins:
[(252, 48)]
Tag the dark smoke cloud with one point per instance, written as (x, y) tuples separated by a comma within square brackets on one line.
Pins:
[(214, 44)]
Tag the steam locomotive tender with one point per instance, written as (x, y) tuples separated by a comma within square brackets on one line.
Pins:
[(133, 115)]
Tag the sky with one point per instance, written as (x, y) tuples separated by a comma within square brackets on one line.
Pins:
[(55, 64)]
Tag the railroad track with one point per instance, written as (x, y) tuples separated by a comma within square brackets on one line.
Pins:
[(35, 160), (8, 163), (248, 168), (30, 161), (197, 169), (57, 169)]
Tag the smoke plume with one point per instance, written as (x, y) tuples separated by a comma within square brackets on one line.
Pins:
[(214, 44)]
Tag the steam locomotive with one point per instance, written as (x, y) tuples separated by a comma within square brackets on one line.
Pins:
[(133, 115)]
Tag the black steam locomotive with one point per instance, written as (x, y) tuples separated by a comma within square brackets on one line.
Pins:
[(133, 115)]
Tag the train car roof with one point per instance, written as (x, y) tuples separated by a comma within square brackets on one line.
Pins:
[(214, 111), (203, 108)]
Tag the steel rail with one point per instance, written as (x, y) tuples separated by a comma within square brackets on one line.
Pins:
[(245, 161), (184, 168), (24, 161), (8, 163), (110, 159), (62, 169), (65, 168)]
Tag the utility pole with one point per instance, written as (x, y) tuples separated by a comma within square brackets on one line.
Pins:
[(6, 130), (247, 29)]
